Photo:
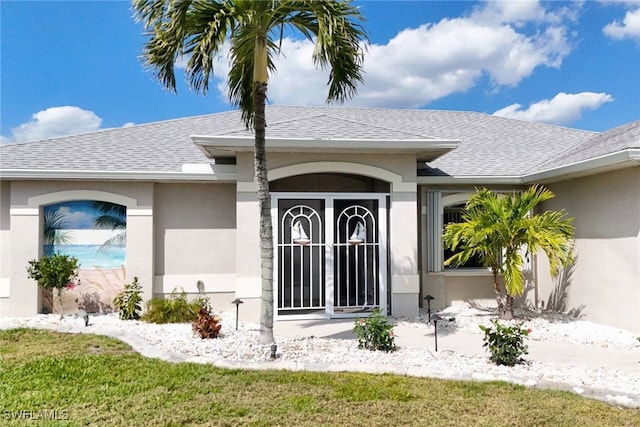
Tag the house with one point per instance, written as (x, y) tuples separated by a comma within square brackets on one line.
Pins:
[(359, 199)]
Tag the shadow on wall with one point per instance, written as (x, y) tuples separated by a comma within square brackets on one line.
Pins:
[(558, 300), (93, 303)]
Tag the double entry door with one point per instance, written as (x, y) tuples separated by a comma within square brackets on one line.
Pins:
[(331, 254)]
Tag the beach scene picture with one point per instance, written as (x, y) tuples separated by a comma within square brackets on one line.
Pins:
[(94, 232)]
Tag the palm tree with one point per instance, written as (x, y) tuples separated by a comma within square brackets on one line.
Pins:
[(53, 236), (112, 217), (500, 229), (197, 30)]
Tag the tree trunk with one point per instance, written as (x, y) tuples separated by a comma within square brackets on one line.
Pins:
[(508, 310), (60, 303), (499, 300), (264, 200)]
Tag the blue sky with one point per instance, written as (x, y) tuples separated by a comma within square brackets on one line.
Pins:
[(72, 67)]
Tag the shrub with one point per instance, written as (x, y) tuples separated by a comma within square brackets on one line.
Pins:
[(55, 272), (206, 325), (375, 332), (505, 343), (175, 309), (128, 301)]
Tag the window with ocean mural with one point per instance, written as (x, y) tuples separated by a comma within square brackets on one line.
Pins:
[(95, 232)]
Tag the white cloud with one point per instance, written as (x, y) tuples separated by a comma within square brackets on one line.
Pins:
[(76, 218), (54, 122), (420, 65), (628, 28), (564, 108)]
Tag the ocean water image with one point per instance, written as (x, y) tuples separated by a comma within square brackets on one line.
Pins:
[(93, 255), (94, 232)]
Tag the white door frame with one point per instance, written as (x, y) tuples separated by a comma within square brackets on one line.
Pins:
[(329, 199)]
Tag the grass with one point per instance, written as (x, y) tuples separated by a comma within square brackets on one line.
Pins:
[(94, 380)]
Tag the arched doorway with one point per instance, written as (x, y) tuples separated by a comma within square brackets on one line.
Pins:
[(331, 245)]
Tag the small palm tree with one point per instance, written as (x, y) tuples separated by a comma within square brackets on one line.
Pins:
[(501, 228), (197, 30)]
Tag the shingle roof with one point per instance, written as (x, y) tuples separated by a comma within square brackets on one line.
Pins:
[(490, 146), (611, 141)]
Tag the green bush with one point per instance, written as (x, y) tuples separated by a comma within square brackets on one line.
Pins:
[(128, 301), (375, 332), (206, 325), (175, 309), (55, 272), (505, 343)]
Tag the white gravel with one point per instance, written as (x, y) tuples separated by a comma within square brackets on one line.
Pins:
[(177, 342)]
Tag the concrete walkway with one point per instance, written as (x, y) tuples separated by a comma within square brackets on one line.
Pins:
[(450, 339)]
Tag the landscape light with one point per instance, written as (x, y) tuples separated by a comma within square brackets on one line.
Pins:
[(237, 302), (429, 297)]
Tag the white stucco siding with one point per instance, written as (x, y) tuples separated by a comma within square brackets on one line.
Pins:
[(195, 237), (605, 282), (5, 248)]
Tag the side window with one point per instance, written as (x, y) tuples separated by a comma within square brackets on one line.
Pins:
[(453, 214), (444, 207)]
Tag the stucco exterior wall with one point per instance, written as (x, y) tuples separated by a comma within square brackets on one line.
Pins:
[(195, 240), (605, 283), (5, 244)]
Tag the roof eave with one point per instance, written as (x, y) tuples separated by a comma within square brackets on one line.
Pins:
[(470, 180), (425, 150), (216, 173), (608, 162)]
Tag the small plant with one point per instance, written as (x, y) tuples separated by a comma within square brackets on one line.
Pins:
[(55, 272), (505, 343), (375, 332), (128, 301), (175, 309), (206, 325)]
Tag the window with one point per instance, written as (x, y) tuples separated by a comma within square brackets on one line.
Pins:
[(444, 208), (453, 214)]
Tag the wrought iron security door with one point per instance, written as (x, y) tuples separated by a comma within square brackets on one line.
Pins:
[(356, 255), (330, 255), (301, 252)]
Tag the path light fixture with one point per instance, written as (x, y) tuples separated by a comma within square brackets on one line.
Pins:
[(435, 319), (86, 319), (274, 349), (429, 297), (237, 302)]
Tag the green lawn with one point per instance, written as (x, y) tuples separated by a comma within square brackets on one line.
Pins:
[(92, 380)]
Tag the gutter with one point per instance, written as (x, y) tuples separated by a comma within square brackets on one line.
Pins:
[(215, 173), (608, 162), (470, 180)]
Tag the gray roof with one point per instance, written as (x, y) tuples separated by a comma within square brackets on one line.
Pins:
[(609, 142), (490, 146)]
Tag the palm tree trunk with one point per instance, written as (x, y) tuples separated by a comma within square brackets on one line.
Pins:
[(264, 200), (499, 300), (508, 310)]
